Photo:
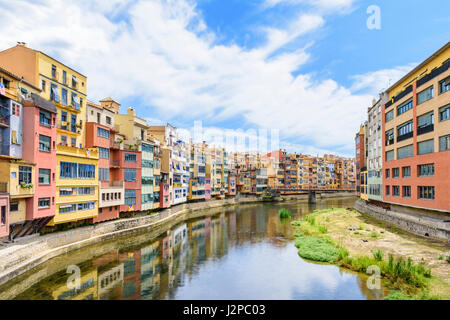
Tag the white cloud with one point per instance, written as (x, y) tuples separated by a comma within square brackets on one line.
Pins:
[(324, 5), (164, 54), (377, 81)]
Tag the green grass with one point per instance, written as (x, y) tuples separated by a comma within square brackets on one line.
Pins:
[(378, 255), (396, 295), (323, 229), (284, 213), (317, 249)]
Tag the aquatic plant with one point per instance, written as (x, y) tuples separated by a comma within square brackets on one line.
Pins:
[(284, 213), (317, 249)]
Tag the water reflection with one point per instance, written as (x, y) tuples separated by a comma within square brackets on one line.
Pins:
[(244, 253)]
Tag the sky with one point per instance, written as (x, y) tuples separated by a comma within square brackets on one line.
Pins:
[(308, 69)]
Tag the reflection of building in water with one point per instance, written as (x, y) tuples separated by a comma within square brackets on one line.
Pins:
[(131, 275), (109, 280), (179, 252), (218, 230), (86, 291), (150, 270)]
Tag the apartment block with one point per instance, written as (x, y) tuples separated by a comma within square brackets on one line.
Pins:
[(374, 152), (416, 139)]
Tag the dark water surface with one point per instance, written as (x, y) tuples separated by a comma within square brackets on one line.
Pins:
[(241, 253)]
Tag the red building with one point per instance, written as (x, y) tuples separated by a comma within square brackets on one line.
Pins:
[(207, 188), (164, 198), (360, 142), (4, 211), (100, 134), (126, 166)]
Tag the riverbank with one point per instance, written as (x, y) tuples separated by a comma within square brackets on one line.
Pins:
[(355, 241)]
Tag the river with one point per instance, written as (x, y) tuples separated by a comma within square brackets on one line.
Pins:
[(243, 252)]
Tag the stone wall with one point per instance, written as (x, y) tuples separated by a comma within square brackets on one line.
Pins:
[(27, 253), (421, 225)]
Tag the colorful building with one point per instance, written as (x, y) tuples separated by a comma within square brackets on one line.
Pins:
[(416, 139), (374, 150)]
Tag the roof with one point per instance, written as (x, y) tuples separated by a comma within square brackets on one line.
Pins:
[(43, 103), (424, 63)]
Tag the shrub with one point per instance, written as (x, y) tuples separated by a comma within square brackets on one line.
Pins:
[(317, 249), (396, 295), (323, 229), (284, 213), (448, 258), (378, 255)]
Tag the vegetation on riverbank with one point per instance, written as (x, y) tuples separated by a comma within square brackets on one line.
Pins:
[(406, 278), (284, 213)]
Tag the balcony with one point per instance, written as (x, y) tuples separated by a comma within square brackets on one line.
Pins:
[(425, 129), (404, 136), (114, 163), (433, 74)]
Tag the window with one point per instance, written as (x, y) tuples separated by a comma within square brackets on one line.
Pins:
[(3, 216), (13, 206), (405, 152), (103, 174), (130, 157), (425, 95), (444, 85), (147, 148), (108, 120), (425, 170), (444, 143), (390, 155), (43, 85), (64, 140), (424, 121), (44, 203), (44, 143), (130, 174), (406, 191), (426, 193), (83, 191), (130, 197), (425, 147), (147, 180), (103, 153), (103, 133), (147, 164), (396, 191), (389, 137), (395, 172), (86, 206), (389, 115), (406, 171), (388, 190), (64, 96), (44, 176), (45, 118), (53, 71), (86, 171), (388, 171), (73, 123), (25, 175), (74, 102), (73, 142), (444, 113), (67, 208), (405, 128), (64, 78), (65, 192), (405, 107), (68, 170), (54, 95), (74, 81)]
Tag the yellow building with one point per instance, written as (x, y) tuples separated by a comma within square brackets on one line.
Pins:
[(67, 88)]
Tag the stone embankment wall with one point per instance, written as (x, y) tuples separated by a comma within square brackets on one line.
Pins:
[(425, 225), (25, 254)]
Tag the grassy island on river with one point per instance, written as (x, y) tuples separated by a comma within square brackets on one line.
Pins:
[(410, 267)]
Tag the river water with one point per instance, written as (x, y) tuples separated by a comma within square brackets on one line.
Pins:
[(239, 253)]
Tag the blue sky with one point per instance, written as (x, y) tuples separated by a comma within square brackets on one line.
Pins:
[(309, 68)]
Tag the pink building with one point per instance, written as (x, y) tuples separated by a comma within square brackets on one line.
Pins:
[(39, 147), (231, 185), (164, 201), (4, 213), (126, 166), (207, 188)]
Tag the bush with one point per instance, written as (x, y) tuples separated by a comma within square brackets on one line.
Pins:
[(317, 249), (323, 229), (378, 255), (284, 213), (396, 295)]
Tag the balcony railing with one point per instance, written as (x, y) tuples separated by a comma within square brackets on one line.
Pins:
[(114, 163), (433, 74), (404, 136), (425, 129)]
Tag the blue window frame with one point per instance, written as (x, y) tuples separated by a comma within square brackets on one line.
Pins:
[(86, 171), (130, 175), (68, 170), (103, 153), (130, 157), (103, 133)]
